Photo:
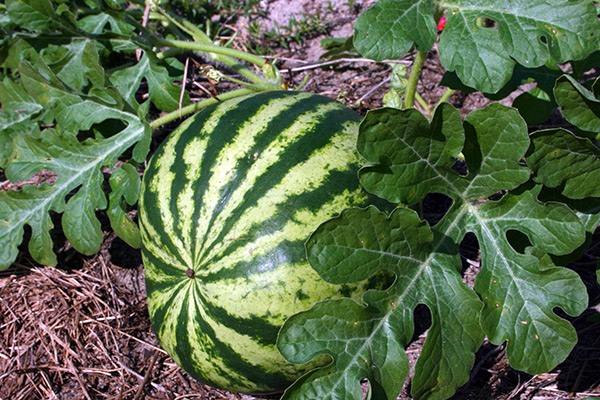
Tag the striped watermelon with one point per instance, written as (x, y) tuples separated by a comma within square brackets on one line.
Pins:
[(228, 201)]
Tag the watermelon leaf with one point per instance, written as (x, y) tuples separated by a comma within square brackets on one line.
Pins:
[(482, 40), (561, 159), (579, 105), (519, 286), (163, 93), (34, 15), (125, 186), (77, 165), (391, 27), (76, 63), (368, 341)]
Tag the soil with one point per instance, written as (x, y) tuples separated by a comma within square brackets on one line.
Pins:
[(81, 331)]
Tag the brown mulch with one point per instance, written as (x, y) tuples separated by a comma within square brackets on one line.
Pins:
[(85, 334)]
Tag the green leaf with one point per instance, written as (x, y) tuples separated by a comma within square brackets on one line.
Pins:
[(369, 341), (518, 283), (579, 105), (419, 151), (561, 159), (72, 111), (101, 22), (16, 118), (483, 40), (13, 213), (519, 291), (391, 27), (77, 166), (76, 63), (80, 225), (380, 139), (493, 159), (125, 187), (34, 15), (360, 353), (160, 80)]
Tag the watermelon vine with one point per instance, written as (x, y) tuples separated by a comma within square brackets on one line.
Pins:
[(528, 194), (513, 182)]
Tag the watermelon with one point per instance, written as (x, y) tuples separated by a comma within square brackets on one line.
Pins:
[(227, 203)]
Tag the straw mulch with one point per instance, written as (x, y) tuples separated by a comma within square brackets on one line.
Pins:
[(85, 334)]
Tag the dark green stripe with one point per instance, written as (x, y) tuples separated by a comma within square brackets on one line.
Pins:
[(312, 141), (236, 366), (287, 252), (233, 120), (260, 330), (154, 216), (152, 261)]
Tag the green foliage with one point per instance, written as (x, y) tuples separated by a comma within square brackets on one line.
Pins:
[(516, 290), (483, 40), (580, 105), (71, 104), (531, 200)]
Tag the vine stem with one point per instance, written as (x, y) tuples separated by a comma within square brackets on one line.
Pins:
[(447, 94), (213, 48), (192, 108), (225, 55), (413, 79)]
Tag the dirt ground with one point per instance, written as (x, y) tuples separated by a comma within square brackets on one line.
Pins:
[(81, 331)]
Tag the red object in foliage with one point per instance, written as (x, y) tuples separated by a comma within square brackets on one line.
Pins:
[(441, 23)]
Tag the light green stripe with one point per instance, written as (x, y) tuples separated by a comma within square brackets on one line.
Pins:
[(161, 187), (186, 203), (227, 162), (211, 121), (152, 241), (299, 179), (251, 291), (168, 326)]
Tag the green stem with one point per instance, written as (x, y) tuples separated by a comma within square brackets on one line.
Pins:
[(422, 102), (192, 108), (447, 94), (213, 48), (413, 79), (222, 54), (185, 26)]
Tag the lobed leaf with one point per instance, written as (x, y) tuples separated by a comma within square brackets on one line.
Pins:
[(368, 341), (35, 15), (77, 166), (483, 40), (163, 93), (563, 160), (579, 106), (519, 284), (76, 63), (496, 140), (391, 27), (125, 186), (414, 152)]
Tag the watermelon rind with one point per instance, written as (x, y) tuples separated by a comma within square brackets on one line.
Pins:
[(227, 203)]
